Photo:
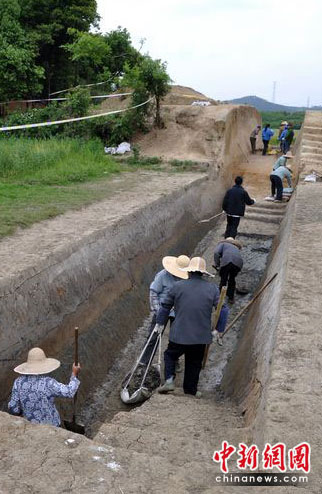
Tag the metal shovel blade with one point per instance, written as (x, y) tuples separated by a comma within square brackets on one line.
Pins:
[(138, 396), (74, 427)]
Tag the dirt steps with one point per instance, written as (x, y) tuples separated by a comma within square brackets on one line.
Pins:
[(311, 150)]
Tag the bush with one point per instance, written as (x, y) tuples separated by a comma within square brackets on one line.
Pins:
[(111, 129)]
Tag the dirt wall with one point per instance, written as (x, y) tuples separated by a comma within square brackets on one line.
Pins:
[(218, 135), (248, 374)]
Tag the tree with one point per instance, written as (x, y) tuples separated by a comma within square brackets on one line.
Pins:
[(121, 51), (48, 23), (100, 56), (150, 77), (91, 54), (20, 75)]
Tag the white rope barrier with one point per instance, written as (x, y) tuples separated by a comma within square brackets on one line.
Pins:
[(79, 86), (68, 120), (100, 96)]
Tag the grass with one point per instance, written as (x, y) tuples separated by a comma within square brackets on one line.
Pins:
[(40, 179), (275, 118), (23, 205), (53, 161)]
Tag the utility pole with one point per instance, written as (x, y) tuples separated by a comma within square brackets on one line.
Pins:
[(274, 91), (308, 102)]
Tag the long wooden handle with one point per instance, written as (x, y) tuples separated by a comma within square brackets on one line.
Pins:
[(220, 304), (211, 218), (240, 313), (76, 346), (217, 315)]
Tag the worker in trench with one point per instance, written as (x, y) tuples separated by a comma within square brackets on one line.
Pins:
[(276, 177), (34, 392), (159, 289), (234, 205), (228, 261), (193, 301)]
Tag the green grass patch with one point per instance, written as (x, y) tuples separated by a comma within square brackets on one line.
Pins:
[(275, 118), (40, 179), (53, 161), (23, 205)]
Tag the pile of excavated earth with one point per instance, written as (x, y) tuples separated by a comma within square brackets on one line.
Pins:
[(92, 268)]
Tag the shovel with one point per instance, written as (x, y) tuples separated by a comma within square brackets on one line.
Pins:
[(73, 426), (211, 218), (217, 315)]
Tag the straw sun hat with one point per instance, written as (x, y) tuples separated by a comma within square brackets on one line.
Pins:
[(37, 363), (174, 265), (197, 264)]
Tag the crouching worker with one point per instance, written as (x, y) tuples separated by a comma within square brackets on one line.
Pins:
[(229, 261), (191, 331), (33, 393)]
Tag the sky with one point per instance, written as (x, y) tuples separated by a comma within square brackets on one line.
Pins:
[(230, 48)]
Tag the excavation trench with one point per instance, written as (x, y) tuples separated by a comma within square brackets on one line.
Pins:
[(104, 402)]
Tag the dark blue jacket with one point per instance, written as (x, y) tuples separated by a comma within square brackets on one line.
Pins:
[(193, 301), (235, 201)]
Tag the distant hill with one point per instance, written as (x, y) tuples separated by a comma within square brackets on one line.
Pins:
[(263, 105)]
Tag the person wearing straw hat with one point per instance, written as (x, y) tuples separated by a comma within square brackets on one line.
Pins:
[(282, 160), (34, 392), (193, 301), (159, 289), (229, 262)]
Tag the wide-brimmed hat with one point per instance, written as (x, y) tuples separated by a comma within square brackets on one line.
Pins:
[(174, 265), (284, 123), (37, 363), (233, 241), (288, 155), (197, 264)]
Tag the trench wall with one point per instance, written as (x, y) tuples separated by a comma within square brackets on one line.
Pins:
[(99, 282)]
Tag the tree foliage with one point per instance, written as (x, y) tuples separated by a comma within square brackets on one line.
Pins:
[(101, 57), (20, 75), (149, 78), (48, 23)]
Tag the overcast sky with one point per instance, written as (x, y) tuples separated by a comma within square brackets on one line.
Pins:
[(230, 48)]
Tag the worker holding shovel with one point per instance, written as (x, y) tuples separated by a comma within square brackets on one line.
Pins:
[(34, 392), (228, 261), (159, 289), (193, 301)]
